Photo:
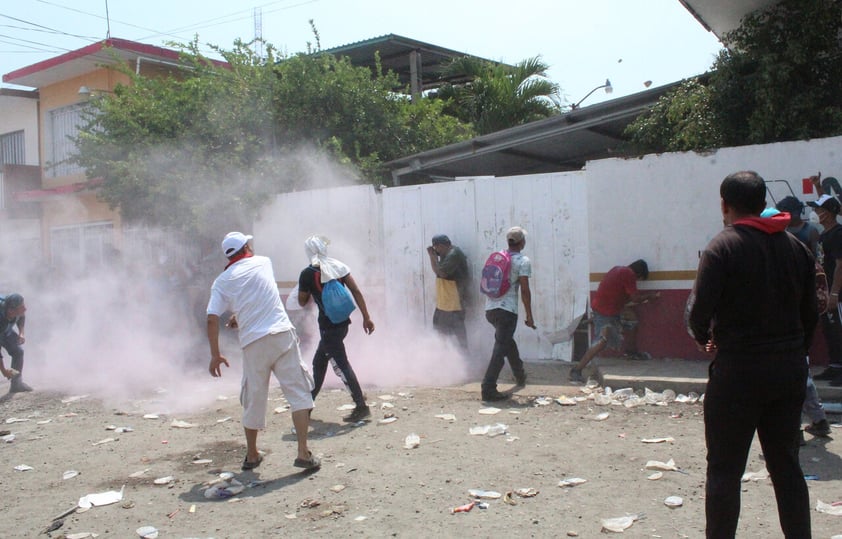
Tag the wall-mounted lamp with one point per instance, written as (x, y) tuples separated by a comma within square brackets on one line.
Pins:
[(85, 92), (608, 90)]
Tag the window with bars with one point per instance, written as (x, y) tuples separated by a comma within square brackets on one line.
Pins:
[(81, 247), (63, 126), (12, 149)]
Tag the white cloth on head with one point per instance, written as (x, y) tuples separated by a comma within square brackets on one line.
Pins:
[(330, 268)]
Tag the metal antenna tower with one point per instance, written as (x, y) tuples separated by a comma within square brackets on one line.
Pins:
[(258, 31)]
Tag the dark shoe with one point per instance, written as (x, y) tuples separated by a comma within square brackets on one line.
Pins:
[(802, 442), (311, 463), (818, 428), (576, 376), (520, 381), (247, 465), (359, 413), (638, 356), (493, 396), (828, 374), (19, 387)]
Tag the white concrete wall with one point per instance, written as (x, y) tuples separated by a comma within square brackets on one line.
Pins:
[(665, 208)]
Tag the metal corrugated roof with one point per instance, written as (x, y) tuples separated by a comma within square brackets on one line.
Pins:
[(556, 144), (395, 52)]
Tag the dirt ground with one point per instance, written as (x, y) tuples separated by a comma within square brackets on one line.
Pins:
[(370, 484)]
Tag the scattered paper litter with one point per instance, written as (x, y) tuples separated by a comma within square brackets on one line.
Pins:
[(225, 489), (337, 488), (619, 524), (755, 476), (164, 480), (151, 416), (23, 467), (8, 438), (69, 474), (489, 411), (412, 441), (281, 409), (572, 482), (386, 397), (484, 494), (147, 532), (202, 461), (446, 417), (73, 398), (360, 518), (81, 535), (387, 420), (179, 424), (655, 476), (601, 417), (673, 501), (16, 420), (488, 430), (543, 401), (830, 509), (138, 473), (658, 465), (526, 492), (44, 422), (104, 441), (566, 401), (669, 439), (386, 405), (346, 407), (224, 419), (101, 498)]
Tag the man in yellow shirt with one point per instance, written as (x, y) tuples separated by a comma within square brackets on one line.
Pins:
[(451, 268)]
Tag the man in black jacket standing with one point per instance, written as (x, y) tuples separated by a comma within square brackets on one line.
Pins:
[(754, 304)]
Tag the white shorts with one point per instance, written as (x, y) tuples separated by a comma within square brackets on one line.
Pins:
[(276, 353)]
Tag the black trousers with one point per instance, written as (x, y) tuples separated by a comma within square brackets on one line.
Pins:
[(832, 330), (9, 341), (452, 324), (332, 346), (744, 395), (505, 347)]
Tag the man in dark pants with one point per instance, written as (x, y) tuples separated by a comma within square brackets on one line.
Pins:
[(451, 268), (754, 303), (502, 314), (13, 313), (827, 208), (332, 342)]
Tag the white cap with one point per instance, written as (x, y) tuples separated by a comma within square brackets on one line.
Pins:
[(233, 242)]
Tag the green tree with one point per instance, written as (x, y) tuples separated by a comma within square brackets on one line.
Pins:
[(204, 148), (499, 96), (779, 79)]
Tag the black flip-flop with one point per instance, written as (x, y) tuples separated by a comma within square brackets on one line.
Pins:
[(308, 464), (251, 465)]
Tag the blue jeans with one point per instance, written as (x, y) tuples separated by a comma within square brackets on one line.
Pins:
[(505, 347)]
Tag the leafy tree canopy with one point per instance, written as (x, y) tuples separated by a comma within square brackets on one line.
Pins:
[(779, 79), (203, 149), (499, 96)]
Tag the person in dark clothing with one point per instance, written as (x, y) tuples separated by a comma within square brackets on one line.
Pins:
[(332, 343), (13, 314), (827, 208), (754, 304), (451, 268)]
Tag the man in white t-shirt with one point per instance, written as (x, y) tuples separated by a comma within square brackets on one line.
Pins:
[(502, 314), (248, 289)]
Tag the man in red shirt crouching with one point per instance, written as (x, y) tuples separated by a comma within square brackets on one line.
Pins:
[(618, 288)]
